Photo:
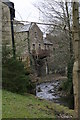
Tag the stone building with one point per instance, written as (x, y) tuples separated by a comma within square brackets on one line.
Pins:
[(30, 46), (48, 46), (8, 14), (28, 39), (36, 39), (21, 40), (30, 33)]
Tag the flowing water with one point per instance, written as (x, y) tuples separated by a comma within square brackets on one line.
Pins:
[(49, 91)]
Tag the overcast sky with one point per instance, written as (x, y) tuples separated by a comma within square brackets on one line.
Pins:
[(25, 10)]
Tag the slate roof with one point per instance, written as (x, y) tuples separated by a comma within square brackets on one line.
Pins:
[(46, 42), (24, 28)]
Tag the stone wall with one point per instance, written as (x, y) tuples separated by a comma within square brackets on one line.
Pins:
[(24, 39), (21, 43), (6, 26), (27, 40), (36, 38)]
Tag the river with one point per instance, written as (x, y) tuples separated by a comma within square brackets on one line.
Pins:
[(49, 91)]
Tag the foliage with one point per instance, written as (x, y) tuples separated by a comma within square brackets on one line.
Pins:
[(70, 75), (70, 70), (68, 85), (14, 76), (6, 53)]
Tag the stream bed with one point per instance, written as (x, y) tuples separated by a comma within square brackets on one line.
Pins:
[(49, 91)]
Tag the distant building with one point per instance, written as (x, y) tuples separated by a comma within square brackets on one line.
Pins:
[(47, 44), (29, 39), (21, 35), (30, 45)]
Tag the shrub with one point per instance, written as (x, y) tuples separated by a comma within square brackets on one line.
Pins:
[(14, 77)]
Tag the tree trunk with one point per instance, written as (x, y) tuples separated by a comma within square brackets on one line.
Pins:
[(76, 68), (69, 28)]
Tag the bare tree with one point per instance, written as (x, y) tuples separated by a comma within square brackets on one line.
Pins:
[(60, 14)]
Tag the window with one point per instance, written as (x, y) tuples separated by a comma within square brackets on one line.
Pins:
[(33, 46), (39, 46), (35, 34)]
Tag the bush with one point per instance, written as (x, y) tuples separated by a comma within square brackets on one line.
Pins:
[(15, 77)]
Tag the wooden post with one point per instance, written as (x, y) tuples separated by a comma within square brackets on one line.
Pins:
[(47, 67), (76, 68)]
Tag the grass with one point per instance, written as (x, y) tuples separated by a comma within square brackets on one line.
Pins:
[(29, 106)]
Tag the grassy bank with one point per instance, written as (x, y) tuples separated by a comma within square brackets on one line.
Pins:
[(29, 106)]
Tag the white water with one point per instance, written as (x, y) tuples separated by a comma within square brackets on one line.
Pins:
[(47, 91)]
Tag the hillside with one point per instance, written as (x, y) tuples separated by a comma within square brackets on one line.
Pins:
[(29, 106)]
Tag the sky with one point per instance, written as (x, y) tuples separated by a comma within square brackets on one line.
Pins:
[(25, 10)]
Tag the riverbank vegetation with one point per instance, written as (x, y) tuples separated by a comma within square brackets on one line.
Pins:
[(68, 84), (28, 106), (17, 81)]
